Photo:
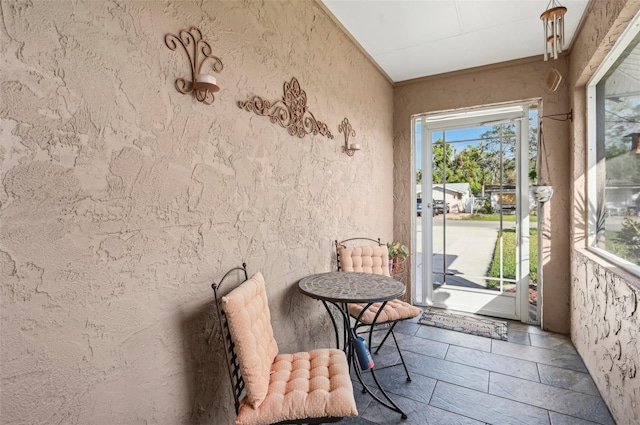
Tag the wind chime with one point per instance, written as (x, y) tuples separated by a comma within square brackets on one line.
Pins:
[(553, 22)]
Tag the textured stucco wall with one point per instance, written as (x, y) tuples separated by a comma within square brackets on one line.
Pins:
[(509, 82), (122, 199), (605, 323)]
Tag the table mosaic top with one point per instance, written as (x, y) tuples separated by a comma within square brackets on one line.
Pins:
[(351, 287)]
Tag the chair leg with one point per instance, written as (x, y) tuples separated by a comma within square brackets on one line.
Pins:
[(393, 335), (385, 338)]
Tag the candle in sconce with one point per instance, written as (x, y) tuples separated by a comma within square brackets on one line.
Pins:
[(206, 78), (354, 147)]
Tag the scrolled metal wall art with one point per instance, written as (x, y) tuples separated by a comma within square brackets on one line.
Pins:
[(202, 85), (291, 112)]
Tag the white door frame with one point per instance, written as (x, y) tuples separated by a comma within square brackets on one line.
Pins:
[(468, 299)]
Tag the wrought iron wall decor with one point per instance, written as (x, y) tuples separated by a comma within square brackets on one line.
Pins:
[(291, 112), (198, 51), (348, 131)]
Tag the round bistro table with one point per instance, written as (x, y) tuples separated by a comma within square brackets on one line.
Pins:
[(343, 288)]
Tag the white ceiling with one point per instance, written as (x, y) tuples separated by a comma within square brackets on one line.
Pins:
[(416, 38)]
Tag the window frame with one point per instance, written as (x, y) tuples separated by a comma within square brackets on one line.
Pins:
[(632, 30)]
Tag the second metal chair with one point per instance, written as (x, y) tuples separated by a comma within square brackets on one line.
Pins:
[(368, 255)]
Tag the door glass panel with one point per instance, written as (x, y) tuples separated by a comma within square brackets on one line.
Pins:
[(473, 189)]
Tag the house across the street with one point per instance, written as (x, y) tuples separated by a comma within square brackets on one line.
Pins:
[(457, 195)]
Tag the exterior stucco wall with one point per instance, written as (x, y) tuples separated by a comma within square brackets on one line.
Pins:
[(123, 199), (509, 82), (605, 324)]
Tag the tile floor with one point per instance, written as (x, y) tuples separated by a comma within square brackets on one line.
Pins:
[(536, 377)]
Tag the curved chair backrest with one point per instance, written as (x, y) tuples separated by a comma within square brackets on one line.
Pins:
[(353, 242), (233, 367), (360, 255)]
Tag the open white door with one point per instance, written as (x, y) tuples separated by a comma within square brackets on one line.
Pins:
[(474, 162)]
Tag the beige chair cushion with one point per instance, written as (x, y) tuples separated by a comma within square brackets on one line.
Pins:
[(394, 310), (364, 259), (304, 385), (249, 320), (374, 259)]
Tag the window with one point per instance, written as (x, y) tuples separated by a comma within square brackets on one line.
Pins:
[(614, 153)]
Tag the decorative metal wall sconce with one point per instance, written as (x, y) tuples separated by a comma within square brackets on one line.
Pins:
[(291, 112), (203, 85), (348, 131)]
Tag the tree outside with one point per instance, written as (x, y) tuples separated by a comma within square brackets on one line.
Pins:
[(488, 162)]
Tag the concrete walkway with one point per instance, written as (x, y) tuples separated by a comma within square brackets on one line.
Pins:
[(468, 250), (467, 255)]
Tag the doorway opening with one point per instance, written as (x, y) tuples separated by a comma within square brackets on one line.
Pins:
[(476, 235)]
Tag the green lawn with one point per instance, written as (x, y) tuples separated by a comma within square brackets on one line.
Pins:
[(496, 217), (509, 257), (617, 248)]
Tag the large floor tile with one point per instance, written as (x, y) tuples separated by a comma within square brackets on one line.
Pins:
[(394, 383), (418, 414), (363, 399), (583, 406), (395, 369), (442, 370), (553, 342), (539, 355), (569, 379), (387, 355), (422, 346), (486, 407), (518, 337), (378, 334), (454, 338), (408, 327), (560, 419), (356, 420), (523, 327), (494, 362)]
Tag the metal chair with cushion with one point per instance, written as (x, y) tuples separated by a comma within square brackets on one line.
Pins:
[(270, 388), (367, 255)]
